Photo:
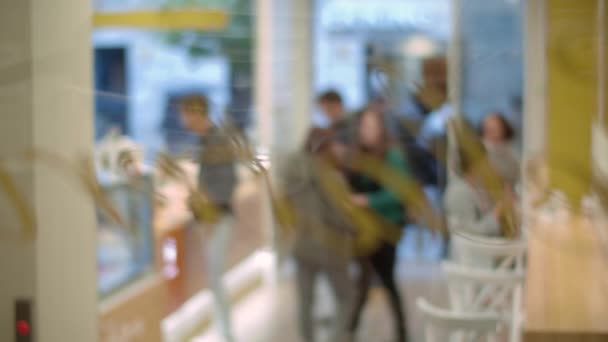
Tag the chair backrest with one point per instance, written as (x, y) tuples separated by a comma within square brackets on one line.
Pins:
[(481, 290), (445, 325), (488, 252)]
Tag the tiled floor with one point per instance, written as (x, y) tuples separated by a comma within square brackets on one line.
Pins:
[(270, 313)]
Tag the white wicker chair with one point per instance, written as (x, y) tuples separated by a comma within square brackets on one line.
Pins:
[(445, 325)]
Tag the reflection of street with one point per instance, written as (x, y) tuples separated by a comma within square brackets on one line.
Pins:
[(124, 252)]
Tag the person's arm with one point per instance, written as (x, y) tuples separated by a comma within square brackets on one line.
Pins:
[(385, 198), (462, 213)]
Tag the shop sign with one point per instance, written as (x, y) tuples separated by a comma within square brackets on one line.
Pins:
[(386, 16)]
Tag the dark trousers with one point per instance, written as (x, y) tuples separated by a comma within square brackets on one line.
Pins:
[(381, 262)]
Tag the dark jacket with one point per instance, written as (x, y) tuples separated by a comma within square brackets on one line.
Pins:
[(217, 174), (345, 129), (382, 200)]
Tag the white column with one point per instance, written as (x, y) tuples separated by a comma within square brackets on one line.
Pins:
[(283, 80), (301, 67), (535, 79), (455, 58), (454, 81), (264, 62), (283, 72), (45, 101)]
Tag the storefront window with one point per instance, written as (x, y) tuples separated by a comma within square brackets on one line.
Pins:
[(125, 252), (141, 74)]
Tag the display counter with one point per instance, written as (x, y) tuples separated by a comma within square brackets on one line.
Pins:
[(567, 282)]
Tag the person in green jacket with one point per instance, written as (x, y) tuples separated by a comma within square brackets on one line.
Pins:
[(372, 139)]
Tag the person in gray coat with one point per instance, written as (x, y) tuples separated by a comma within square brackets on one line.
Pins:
[(498, 135), (217, 179), (323, 234), (468, 207)]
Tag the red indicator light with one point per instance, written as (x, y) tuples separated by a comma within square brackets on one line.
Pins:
[(23, 328)]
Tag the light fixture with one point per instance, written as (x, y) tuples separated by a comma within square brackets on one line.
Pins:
[(420, 46)]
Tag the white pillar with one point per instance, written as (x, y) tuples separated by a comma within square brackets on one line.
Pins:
[(455, 58), (45, 101), (301, 67), (283, 80), (283, 72), (535, 79), (264, 75), (264, 100), (454, 81)]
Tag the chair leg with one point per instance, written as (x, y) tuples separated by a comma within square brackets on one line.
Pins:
[(515, 328)]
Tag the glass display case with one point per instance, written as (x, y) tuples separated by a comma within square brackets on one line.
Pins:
[(125, 252)]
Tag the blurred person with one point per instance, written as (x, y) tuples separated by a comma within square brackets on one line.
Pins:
[(372, 138), (424, 161), (469, 207), (498, 135), (435, 124), (217, 179), (382, 105), (423, 164), (379, 104), (324, 236), (332, 105)]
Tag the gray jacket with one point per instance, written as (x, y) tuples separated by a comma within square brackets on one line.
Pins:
[(217, 174), (467, 211), (323, 233), (506, 161)]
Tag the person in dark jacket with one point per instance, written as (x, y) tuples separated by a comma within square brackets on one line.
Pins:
[(372, 139), (342, 124)]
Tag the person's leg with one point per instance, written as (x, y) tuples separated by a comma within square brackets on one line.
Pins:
[(217, 247), (342, 287), (362, 287), (305, 276), (384, 263)]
